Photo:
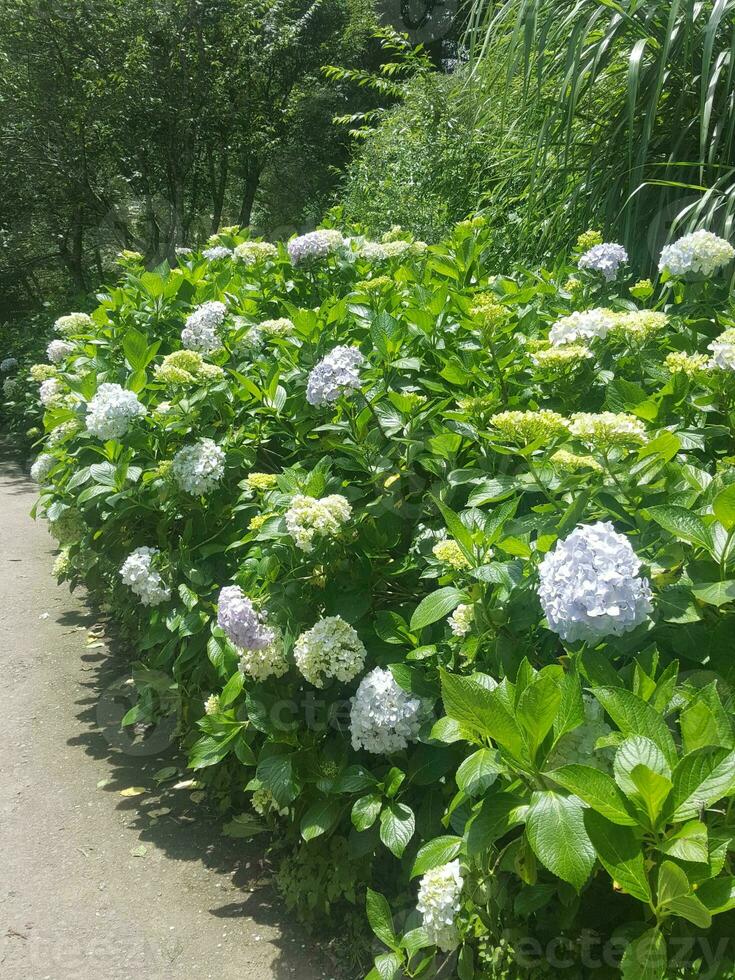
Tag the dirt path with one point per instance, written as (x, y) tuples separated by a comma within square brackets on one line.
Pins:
[(94, 884)]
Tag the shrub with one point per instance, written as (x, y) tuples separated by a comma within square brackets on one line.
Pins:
[(483, 598)]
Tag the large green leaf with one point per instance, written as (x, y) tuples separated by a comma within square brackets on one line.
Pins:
[(634, 716), (700, 779), (596, 789), (435, 606), (320, 818), (638, 751), (435, 853), (683, 524), (645, 958), (481, 710), (621, 854), (498, 813), (724, 507), (478, 772), (556, 832), (653, 789), (397, 825), (380, 918), (537, 709)]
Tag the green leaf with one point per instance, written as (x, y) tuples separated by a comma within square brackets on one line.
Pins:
[(638, 751), (652, 788), (456, 528), (620, 853), (688, 843), (477, 708), (435, 853), (704, 721), (397, 825), (135, 348), (557, 835), (365, 811), (718, 894), (435, 606), (596, 789), (645, 958), (700, 779), (478, 772), (672, 883), (276, 773), (380, 918), (724, 507), (571, 707), (634, 716), (320, 818), (715, 593), (498, 813), (232, 689), (683, 524), (537, 709)]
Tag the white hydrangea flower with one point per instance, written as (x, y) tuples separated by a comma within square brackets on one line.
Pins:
[(461, 620), (42, 467), (201, 331), (264, 802), (314, 245), (8, 364), (589, 585), (269, 661), (138, 572), (276, 328), (183, 251), (585, 325), (111, 411), (331, 648), (73, 323), (62, 432), (198, 468), (217, 252), (211, 705), (605, 429), (383, 717), (605, 258), (50, 392), (58, 350), (439, 903), (244, 625), (723, 351), (700, 252), (309, 517), (335, 375)]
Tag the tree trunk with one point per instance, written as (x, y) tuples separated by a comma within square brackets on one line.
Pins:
[(218, 193), (72, 250), (248, 198)]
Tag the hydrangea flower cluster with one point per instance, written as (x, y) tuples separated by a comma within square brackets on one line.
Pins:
[(449, 553), (267, 662), (573, 462), (331, 648), (461, 620), (374, 285), (589, 585), (68, 527), (701, 252), (487, 311), (73, 323), (309, 517), (264, 802), (335, 375), (588, 239), (557, 358), (186, 367), (217, 252), (198, 468), (241, 621), (8, 364), (640, 325), (276, 328), (62, 565), (42, 372), (577, 747), (383, 717), (723, 351), (111, 411), (585, 325), (12, 388), (63, 432), (439, 904), (261, 481), (50, 393), (211, 705), (605, 258), (526, 427), (139, 573), (252, 252), (314, 245), (607, 429), (58, 350), (692, 365), (201, 331), (42, 467)]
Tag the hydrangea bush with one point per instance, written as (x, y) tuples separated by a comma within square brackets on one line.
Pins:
[(441, 570)]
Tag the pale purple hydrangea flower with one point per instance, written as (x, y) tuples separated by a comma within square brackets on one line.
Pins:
[(217, 252), (314, 245), (138, 572), (241, 621), (335, 375), (605, 259)]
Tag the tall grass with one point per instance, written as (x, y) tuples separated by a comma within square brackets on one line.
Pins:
[(620, 114)]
